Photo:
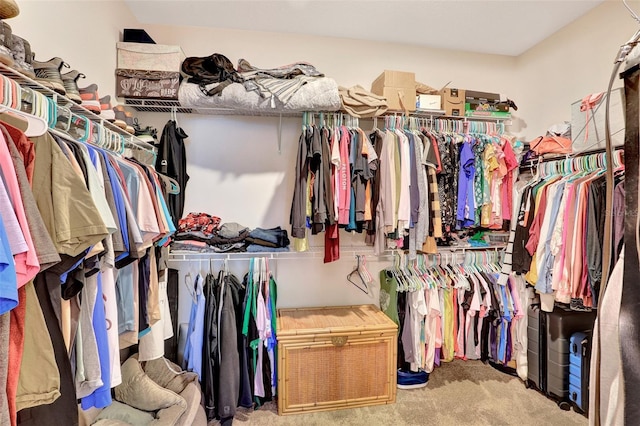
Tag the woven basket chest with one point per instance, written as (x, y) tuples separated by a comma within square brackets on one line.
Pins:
[(335, 357)]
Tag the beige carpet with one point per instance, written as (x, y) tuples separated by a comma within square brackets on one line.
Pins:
[(459, 393)]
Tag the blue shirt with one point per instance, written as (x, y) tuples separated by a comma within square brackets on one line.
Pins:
[(8, 278), (466, 201), (118, 197), (133, 185), (195, 333), (543, 285), (167, 215), (124, 299), (100, 397)]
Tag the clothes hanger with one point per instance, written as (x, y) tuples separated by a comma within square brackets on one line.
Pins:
[(189, 282), (395, 271), (36, 126), (359, 283), (171, 184)]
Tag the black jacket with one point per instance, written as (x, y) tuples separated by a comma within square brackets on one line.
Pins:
[(172, 162)]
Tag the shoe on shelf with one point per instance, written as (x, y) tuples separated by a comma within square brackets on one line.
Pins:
[(121, 118), (412, 379), (48, 74), (8, 9), (148, 134), (6, 44), (129, 119), (90, 98), (106, 110), (70, 82), (22, 56)]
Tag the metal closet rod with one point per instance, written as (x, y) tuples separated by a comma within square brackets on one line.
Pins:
[(317, 253)]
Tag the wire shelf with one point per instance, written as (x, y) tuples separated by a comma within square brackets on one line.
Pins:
[(156, 105), (318, 253), (63, 101), (165, 105)]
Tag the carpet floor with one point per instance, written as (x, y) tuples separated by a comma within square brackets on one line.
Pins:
[(458, 393)]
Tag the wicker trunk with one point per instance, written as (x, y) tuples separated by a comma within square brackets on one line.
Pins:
[(335, 357)]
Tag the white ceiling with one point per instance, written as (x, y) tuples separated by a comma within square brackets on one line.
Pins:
[(506, 27)]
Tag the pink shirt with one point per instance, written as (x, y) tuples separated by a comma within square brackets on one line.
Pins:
[(344, 173), (27, 265)]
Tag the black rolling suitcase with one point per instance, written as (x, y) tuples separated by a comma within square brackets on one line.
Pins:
[(579, 368), (549, 335)]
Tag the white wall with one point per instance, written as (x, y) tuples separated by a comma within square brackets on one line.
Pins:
[(236, 170), (572, 63), (82, 33)]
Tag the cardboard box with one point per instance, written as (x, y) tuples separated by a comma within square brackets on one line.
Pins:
[(589, 134), (149, 57), (393, 79), (453, 102), (471, 95), (429, 102), (142, 84), (398, 87), (484, 102), (348, 355), (487, 113)]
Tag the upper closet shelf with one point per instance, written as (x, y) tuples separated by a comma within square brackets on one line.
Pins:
[(63, 101), (345, 252), (159, 105)]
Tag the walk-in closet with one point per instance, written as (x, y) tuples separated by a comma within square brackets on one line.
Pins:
[(310, 212)]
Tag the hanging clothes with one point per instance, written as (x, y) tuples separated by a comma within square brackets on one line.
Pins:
[(409, 186), (558, 239), (172, 162), (452, 310), (195, 332)]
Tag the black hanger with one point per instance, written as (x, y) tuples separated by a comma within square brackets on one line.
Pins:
[(365, 290)]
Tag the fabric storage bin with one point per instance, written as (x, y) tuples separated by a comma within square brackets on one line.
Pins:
[(335, 357), (149, 57), (147, 84)]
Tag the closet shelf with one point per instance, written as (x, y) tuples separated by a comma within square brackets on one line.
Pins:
[(160, 105), (163, 105), (63, 101), (345, 253)]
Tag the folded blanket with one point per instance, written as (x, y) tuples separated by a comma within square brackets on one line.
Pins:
[(318, 94)]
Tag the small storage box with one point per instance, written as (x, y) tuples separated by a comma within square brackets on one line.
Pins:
[(333, 358), (429, 102), (147, 84), (484, 104), (453, 102), (149, 57), (398, 87)]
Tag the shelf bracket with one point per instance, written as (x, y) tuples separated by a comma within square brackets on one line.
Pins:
[(279, 133)]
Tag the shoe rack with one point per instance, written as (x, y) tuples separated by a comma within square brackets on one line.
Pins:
[(63, 101)]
